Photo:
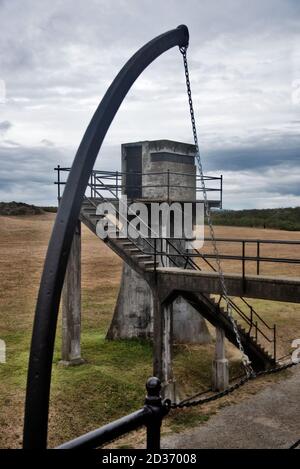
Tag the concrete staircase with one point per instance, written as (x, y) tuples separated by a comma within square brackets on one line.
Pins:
[(132, 253), (129, 250)]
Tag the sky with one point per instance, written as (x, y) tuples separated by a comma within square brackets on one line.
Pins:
[(58, 58)]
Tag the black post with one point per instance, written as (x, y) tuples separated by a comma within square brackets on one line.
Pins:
[(221, 190), (154, 402), (257, 255), (58, 183), (155, 256), (274, 340), (243, 265)]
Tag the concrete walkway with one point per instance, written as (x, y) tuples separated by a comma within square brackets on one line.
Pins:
[(269, 419)]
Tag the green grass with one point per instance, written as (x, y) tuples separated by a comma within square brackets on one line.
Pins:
[(187, 418), (109, 385)]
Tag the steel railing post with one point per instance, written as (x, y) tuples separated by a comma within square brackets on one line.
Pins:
[(243, 265), (251, 319), (154, 402), (58, 183), (274, 340), (257, 255), (221, 191)]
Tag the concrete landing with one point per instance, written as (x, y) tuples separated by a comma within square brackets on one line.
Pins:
[(269, 419), (267, 288)]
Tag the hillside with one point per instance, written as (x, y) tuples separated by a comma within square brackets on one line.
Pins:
[(19, 208), (275, 218)]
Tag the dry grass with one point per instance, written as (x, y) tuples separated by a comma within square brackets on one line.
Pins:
[(88, 396)]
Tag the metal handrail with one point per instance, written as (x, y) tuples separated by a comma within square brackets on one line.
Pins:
[(236, 308), (154, 173), (114, 181)]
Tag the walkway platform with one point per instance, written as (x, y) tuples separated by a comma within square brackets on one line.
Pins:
[(252, 286)]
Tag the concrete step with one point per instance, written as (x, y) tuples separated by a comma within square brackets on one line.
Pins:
[(88, 208), (93, 215), (143, 256), (148, 263)]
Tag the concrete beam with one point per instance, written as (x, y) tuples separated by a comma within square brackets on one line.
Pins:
[(267, 288)]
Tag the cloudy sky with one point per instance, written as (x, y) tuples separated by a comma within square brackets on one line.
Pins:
[(58, 58)]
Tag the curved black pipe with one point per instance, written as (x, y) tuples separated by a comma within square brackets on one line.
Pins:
[(44, 328)]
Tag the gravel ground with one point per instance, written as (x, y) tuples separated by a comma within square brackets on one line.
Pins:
[(270, 419)]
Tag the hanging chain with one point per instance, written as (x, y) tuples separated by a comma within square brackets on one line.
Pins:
[(192, 402), (245, 359)]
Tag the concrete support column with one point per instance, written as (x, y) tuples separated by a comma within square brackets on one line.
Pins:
[(133, 311), (162, 345), (71, 305), (220, 372)]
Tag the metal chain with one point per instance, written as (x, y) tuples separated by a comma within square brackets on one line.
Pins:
[(245, 359), (230, 389)]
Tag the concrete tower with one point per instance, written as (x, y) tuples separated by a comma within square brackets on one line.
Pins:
[(156, 171)]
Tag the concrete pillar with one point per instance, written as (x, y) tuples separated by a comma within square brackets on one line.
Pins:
[(133, 311), (71, 305), (162, 348), (188, 325), (220, 372)]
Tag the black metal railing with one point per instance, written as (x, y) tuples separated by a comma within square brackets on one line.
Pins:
[(115, 183), (149, 416), (258, 258), (241, 258), (258, 327)]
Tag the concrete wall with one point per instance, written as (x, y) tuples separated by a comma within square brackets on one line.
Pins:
[(158, 157)]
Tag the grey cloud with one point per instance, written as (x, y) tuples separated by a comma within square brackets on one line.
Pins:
[(58, 60), (29, 172), (4, 127), (236, 159)]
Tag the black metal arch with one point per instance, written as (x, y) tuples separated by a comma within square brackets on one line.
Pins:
[(44, 328)]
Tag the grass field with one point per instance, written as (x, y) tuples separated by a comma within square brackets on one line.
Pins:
[(111, 383)]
